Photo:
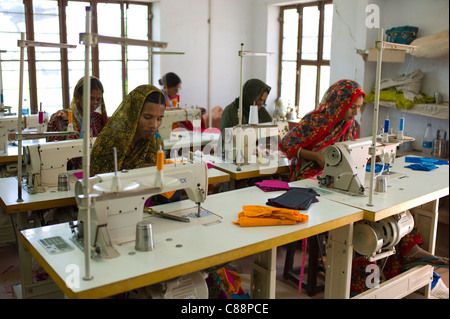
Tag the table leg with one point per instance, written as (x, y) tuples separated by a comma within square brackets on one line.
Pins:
[(426, 220), (263, 276), (29, 289), (339, 263)]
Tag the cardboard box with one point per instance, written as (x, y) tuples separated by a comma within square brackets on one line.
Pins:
[(389, 55)]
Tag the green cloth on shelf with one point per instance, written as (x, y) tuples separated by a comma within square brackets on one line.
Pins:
[(399, 98)]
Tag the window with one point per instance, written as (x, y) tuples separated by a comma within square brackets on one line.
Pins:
[(50, 74), (304, 69)]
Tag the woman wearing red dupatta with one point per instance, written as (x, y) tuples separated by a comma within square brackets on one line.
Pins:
[(333, 121)]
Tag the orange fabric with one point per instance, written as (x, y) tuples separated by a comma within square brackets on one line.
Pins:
[(234, 287), (254, 215)]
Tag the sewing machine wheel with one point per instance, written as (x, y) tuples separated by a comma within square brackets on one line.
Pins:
[(26, 155), (332, 155)]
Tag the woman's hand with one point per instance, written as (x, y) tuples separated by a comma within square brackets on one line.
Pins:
[(320, 159), (313, 156)]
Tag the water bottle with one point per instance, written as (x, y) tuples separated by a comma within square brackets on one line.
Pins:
[(427, 145)]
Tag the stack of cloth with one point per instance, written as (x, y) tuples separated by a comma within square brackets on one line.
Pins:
[(255, 215), (272, 185), (423, 163), (295, 198)]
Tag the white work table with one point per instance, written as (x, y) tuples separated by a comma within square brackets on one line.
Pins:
[(413, 190), (182, 248), (51, 198)]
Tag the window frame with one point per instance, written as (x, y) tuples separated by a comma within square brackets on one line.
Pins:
[(95, 62), (318, 63)]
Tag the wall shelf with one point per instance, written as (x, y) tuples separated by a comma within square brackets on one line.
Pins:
[(439, 111)]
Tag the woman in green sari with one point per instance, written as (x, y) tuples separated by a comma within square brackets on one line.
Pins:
[(254, 92), (132, 130)]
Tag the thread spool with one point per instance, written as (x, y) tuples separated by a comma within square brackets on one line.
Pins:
[(401, 128), (70, 113), (386, 130), (63, 182), (253, 116), (160, 160), (41, 114)]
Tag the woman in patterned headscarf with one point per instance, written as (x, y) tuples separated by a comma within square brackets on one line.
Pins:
[(253, 91), (60, 120), (132, 130), (333, 121)]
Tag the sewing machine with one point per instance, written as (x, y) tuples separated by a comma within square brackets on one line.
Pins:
[(119, 198), (345, 163), (241, 143), (9, 124), (174, 116), (45, 161)]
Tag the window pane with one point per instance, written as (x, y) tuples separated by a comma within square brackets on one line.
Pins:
[(137, 22), (111, 78), (10, 78), (49, 88), (76, 24), (12, 23), (109, 19), (288, 80), (310, 27), (308, 76), (328, 21), (290, 35), (137, 74), (76, 72), (324, 80)]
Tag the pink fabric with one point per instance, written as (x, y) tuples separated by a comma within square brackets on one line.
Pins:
[(272, 185)]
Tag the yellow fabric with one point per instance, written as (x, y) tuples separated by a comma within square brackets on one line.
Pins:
[(255, 215), (399, 98)]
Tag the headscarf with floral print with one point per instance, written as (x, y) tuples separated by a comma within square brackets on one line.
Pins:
[(322, 127)]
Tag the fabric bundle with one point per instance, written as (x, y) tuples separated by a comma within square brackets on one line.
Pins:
[(272, 185), (255, 215), (297, 198), (423, 163)]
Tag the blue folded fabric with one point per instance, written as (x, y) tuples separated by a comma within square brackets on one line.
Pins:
[(422, 167), (409, 159), (378, 167)]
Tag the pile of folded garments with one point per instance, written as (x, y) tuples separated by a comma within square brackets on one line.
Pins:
[(255, 215), (272, 185), (295, 198), (423, 163)]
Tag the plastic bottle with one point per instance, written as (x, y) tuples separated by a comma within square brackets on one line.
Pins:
[(427, 145)]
